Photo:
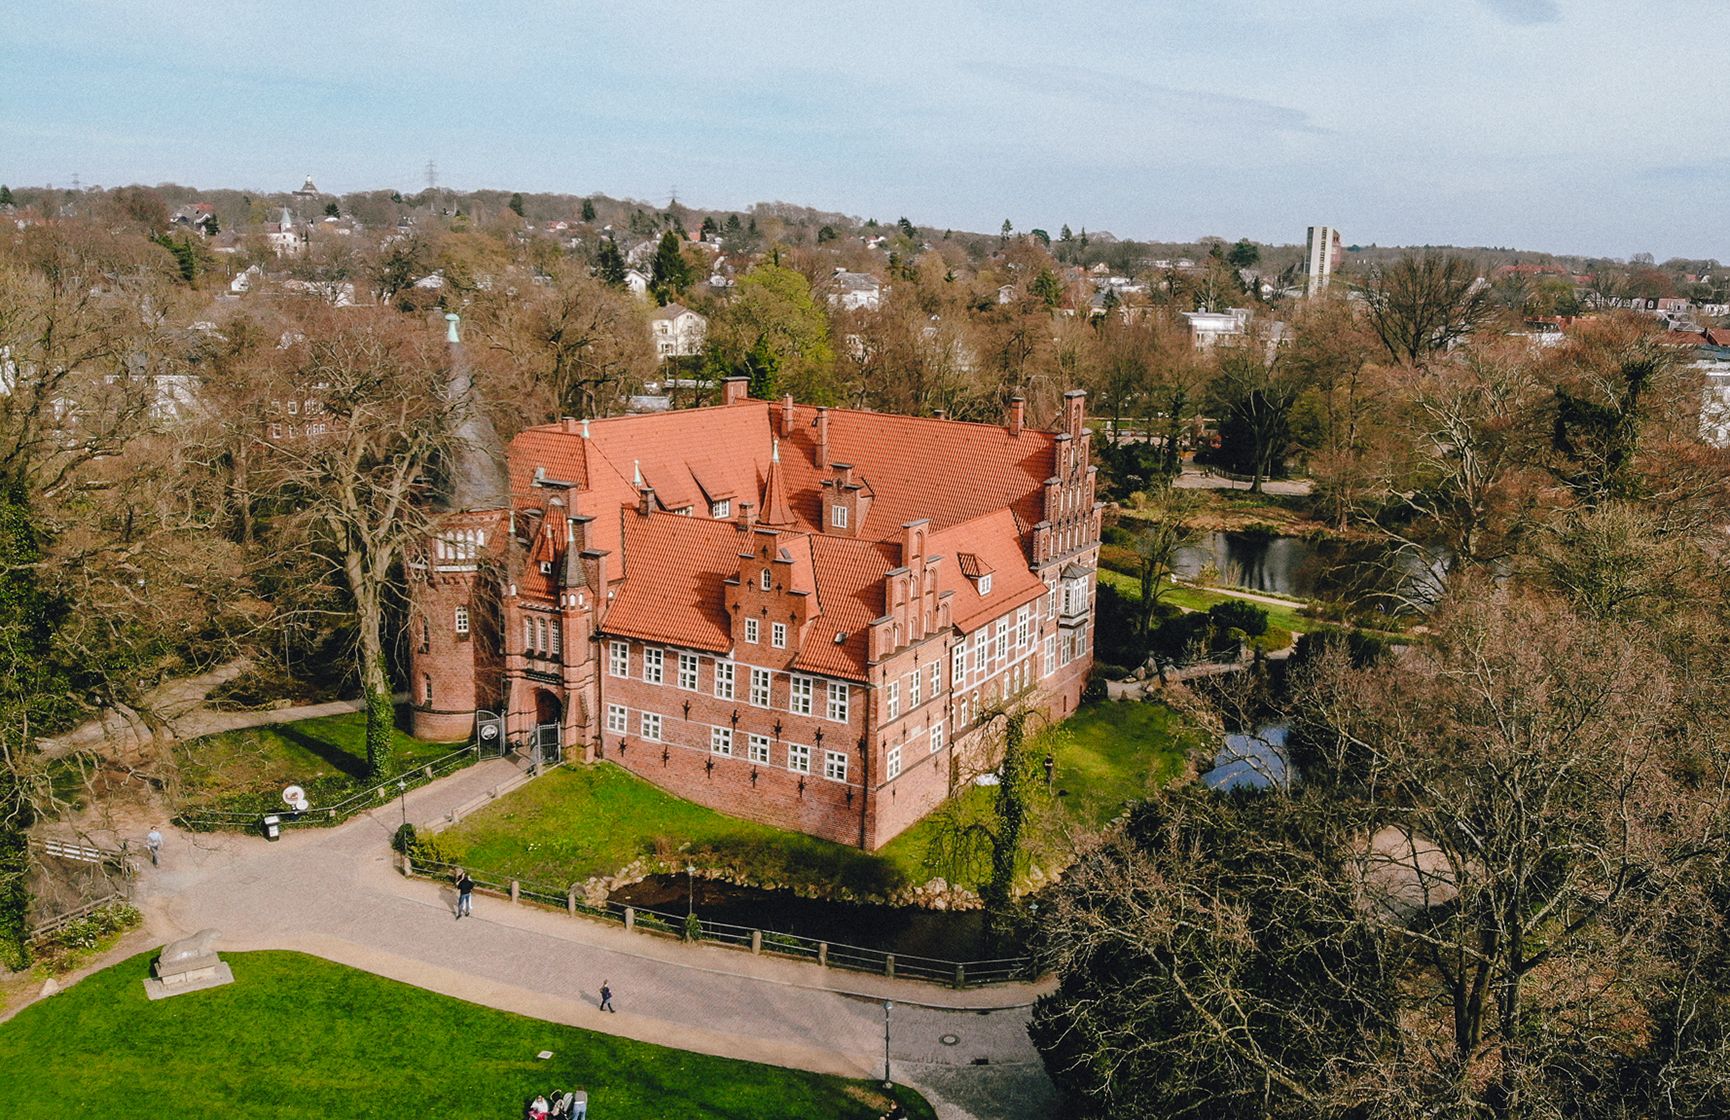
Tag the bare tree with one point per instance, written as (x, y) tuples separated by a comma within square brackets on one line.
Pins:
[(1424, 303)]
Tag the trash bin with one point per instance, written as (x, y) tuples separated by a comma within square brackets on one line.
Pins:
[(273, 827)]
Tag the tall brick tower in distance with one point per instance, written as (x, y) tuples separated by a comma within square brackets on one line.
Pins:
[(455, 659)]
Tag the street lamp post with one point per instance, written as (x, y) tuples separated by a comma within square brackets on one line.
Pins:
[(402, 799), (690, 890), (887, 1008)]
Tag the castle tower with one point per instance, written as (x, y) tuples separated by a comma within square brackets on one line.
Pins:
[(455, 658)]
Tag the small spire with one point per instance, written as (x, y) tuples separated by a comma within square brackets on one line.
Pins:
[(585, 427), (774, 451), (637, 473)]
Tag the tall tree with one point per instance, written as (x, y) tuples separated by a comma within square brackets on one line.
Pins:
[(1424, 303)]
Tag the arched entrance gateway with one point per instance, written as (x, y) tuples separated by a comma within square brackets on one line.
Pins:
[(547, 742)]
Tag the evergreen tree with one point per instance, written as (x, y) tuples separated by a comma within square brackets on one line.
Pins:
[(733, 225), (610, 263), (907, 228), (5, 195), (710, 229), (1047, 287), (1066, 234), (516, 203), (1244, 254), (670, 273), (827, 233), (332, 210), (588, 210)]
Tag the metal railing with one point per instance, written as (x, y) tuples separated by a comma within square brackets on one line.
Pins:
[(205, 820), (757, 941)]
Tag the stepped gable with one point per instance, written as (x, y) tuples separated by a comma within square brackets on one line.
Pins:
[(674, 593), (994, 542)]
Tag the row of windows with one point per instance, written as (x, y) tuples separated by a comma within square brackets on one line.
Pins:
[(722, 740), (801, 691), (545, 637), (777, 630), (916, 680)]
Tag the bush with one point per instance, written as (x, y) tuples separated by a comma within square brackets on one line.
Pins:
[(1094, 689), (1273, 639), (693, 927), (403, 839), (74, 943), (1238, 614), (1363, 649), (1181, 637), (1119, 558)]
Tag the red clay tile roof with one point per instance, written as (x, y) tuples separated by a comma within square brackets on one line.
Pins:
[(849, 576), (674, 595), (996, 543), (1718, 336), (972, 566)]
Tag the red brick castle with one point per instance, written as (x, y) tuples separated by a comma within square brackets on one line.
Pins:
[(787, 613)]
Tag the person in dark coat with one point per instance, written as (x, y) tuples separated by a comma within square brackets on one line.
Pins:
[(607, 998), (465, 894)]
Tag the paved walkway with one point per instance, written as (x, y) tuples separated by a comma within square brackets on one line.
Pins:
[(335, 893)]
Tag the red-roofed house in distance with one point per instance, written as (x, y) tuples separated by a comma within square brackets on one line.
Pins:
[(789, 613)]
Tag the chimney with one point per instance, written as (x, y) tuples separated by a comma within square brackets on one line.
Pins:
[(747, 515), (843, 474), (822, 437), (569, 423), (940, 413), (646, 500), (733, 389), (787, 416), (1017, 414)]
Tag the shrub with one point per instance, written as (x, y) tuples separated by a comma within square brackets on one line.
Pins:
[(403, 839), (1238, 614), (1094, 689), (1179, 638), (1119, 558), (1273, 639), (693, 927)]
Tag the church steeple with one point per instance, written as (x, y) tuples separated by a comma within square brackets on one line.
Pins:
[(776, 511)]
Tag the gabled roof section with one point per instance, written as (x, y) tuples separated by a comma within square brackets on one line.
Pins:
[(972, 566), (849, 577), (994, 542), (676, 568), (775, 508)]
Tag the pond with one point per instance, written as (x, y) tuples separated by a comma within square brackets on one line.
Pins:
[(1356, 571), (953, 935), (1251, 760)]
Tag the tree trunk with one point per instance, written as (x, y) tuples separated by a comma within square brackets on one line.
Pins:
[(15, 817), (374, 676)]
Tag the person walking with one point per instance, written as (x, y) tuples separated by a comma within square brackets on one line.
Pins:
[(607, 998), (153, 841), (465, 894)]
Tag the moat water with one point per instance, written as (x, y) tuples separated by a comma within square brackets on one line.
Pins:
[(908, 930), (1355, 571)]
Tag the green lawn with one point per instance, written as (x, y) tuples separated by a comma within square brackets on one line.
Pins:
[(1200, 599), (247, 769), (295, 1036), (581, 821)]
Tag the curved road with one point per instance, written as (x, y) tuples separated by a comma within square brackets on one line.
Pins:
[(335, 893)]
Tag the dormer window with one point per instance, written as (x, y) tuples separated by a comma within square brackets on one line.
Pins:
[(546, 567), (722, 508), (540, 475), (985, 584), (838, 517)]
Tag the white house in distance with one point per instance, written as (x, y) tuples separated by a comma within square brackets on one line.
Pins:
[(1209, 328), (637, 281), (854, 290), (678, 332)]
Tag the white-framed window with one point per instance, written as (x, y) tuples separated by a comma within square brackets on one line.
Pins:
[(835, 766), (721, 741), (723, 679), (985, 585), (936, 737), (760, 687), (763, 579), (619, 659), (892, 700), (959, 673), (936, 679), (541, 635), (838, 516), (798, 758), (618, 719), (722, 508), (650, 726), (759, 747), (1051, 598), (961, 708), (778, 635), (654, 665), (461, 620), (799, 696), (688, 671), (558, 637), (1050, 655), (1068, 649), (528, 635), (425, 688), (893, 768), (837, 709), (977, 661), (1023, 627), (914, 683), (1000, 643), (751, 630)]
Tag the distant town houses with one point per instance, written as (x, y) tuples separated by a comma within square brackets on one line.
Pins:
[(677, 331), (1208, 329), (853, 291)]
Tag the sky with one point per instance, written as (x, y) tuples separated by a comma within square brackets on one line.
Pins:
[(1573, 126)]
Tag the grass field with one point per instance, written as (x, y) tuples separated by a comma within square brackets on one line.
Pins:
[(326, 756), (581, 821), (298, 1037)]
